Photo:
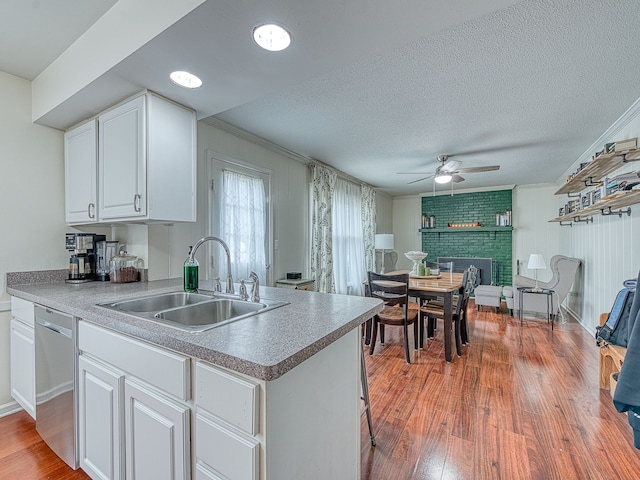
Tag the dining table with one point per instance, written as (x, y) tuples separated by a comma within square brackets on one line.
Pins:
[(444, 285)]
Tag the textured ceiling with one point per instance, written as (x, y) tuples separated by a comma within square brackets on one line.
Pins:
[(528, 88), (373, 87)]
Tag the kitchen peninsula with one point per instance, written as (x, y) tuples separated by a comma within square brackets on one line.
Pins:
[(272, 396)]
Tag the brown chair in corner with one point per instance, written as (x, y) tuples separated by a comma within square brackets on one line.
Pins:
[(398, 310)]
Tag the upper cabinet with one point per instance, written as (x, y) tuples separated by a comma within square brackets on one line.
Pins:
[(80, 170), (146, 164)]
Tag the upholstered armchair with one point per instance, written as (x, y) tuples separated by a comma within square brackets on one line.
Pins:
[(564, 271)]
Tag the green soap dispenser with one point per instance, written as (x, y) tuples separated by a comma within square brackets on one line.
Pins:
[(190, 273)]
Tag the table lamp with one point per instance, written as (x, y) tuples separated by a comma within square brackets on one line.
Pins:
[(383, 241), (536, 262)]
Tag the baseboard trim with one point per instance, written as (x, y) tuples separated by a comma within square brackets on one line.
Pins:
[(9, 408)]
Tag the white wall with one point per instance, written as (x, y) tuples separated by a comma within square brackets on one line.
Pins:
[(407, 213), (533, 207), (31, 201), (606, 246)]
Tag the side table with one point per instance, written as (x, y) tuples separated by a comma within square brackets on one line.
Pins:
[(545, 291)]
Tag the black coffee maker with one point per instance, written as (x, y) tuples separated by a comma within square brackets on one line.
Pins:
[(82, 262)]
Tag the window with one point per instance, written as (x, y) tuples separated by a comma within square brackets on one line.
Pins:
[(240, 215), (348, 239)]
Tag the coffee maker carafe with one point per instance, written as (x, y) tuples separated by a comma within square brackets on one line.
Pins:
[(105, 251), (82, 263)]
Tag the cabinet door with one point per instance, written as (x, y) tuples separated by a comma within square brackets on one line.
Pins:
[(157, 435), (80, 173), (122, 161), (23, 383), (100, 391)]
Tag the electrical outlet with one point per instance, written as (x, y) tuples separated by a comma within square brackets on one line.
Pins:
[(275, 244)]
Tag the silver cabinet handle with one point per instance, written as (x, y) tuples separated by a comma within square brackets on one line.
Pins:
[(91, 210), (136, 202)]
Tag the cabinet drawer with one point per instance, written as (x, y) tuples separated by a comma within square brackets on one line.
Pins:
[(233, 399), (23, 311), (161, 368), (233, 456)]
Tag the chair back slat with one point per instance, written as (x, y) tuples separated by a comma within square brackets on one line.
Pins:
[(393, 289)]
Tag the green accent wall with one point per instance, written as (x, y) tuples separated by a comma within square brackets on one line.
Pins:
[(486, 242)]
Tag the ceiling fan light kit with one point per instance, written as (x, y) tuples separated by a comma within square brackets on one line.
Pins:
[(442, 178), (449, 170)]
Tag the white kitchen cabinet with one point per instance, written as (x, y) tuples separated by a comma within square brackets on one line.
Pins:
[(100, 395), (157, 435), (22, 345), (147, 161), (304, 424), (80, 173), (132, 396)]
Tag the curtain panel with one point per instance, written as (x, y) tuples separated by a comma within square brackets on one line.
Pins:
[(369, 226), (243, 225), (323, 183)]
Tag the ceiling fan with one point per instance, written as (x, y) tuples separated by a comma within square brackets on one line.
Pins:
[(449, 171)]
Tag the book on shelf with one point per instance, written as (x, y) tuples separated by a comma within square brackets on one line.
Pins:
[(626, 144), (610, 147)]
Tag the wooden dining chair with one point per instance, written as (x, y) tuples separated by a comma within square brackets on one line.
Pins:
[(431, 311), (397, 311)]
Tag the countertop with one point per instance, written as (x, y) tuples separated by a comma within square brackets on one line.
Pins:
[(264, 346)]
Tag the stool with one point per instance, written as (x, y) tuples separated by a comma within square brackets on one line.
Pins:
[(489, 295), (508, 298)]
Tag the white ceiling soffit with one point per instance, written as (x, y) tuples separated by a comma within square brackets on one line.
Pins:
[(33, 33), (214, 41)]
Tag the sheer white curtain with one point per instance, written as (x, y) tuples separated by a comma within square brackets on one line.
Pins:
[(349, 268), (243, 224)]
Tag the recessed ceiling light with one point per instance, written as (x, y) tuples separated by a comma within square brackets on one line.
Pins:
[(271, 37), (185, 79)]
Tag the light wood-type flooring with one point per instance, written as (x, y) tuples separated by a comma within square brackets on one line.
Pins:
[(521, 403)]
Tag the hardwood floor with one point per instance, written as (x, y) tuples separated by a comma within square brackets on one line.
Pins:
[(521, 403), (25, 456)]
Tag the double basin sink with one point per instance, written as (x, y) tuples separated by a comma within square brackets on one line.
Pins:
[(192, 312)]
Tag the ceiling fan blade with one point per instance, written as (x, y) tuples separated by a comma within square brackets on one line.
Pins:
[(450, 165), (419, 180), (457, 178), (488, 168)]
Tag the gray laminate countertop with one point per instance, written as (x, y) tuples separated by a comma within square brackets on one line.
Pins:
[(264, 346)]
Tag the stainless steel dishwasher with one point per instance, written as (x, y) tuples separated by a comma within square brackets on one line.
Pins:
[(56, 382)]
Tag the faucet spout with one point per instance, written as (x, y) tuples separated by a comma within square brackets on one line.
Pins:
[(229, 287), (255, 289)]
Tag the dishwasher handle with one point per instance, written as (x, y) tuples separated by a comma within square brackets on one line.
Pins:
[(55, 328)]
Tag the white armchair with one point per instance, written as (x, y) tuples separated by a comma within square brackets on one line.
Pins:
[(564, 272)]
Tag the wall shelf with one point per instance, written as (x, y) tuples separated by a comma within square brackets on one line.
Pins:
[(469, 229), (608, 206), (592, 174)]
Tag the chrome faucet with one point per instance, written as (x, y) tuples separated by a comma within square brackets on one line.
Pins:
[(192, 255), (255, 289)]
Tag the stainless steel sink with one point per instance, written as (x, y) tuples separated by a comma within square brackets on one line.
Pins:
[(193, 312), (159, 302)]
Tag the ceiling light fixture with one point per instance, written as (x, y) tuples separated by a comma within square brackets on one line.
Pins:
[(185, 79), (442, 178), (271, 37)]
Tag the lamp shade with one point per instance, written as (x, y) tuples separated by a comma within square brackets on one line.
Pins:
[(384, 241), (536, 262)]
